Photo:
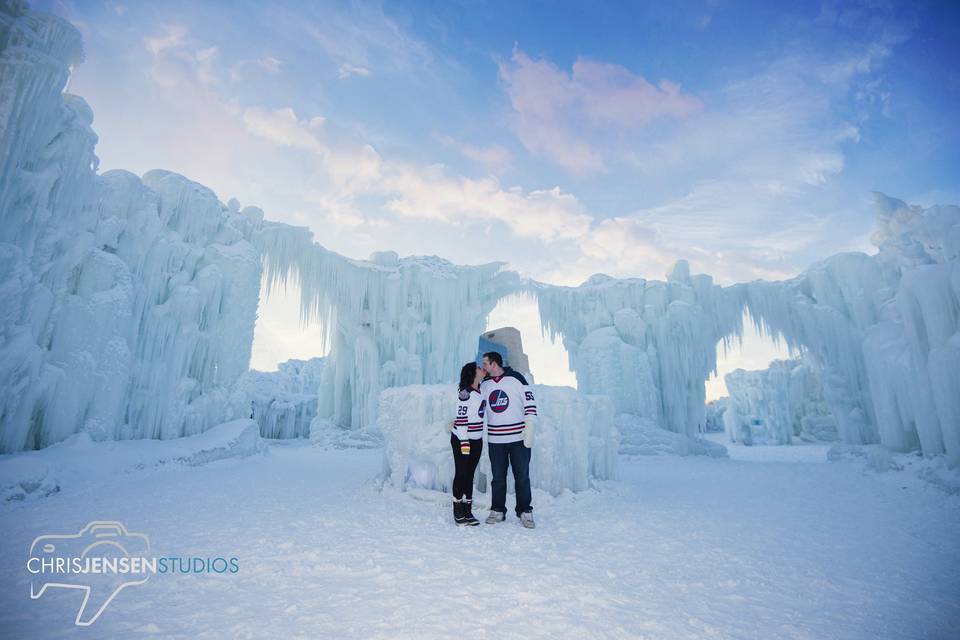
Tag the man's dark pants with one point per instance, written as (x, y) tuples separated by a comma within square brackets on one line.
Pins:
[(517, 457)]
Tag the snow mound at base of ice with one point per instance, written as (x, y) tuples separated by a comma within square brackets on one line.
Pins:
[(931, 470), (31, 473), (576, 441), (642, 437), (326, 434), (22, 479), (234, 439)]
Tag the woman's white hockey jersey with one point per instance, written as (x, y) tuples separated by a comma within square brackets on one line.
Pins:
[(468, 425)]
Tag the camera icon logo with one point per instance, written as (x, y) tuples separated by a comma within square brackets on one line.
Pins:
[(102, 559)]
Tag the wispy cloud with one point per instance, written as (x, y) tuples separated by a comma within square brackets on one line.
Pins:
[(176, 60), (556, 112), (264, 64), (347, 70), (171, 36), (362, 38), (492, 157)]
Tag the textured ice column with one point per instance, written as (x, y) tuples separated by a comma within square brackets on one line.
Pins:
[(46, 213), (389, 320), (915, 348)]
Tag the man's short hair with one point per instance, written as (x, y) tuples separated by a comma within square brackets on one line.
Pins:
[(493, 356)]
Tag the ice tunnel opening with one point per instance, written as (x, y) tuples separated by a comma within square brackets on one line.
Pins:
[(753, 349), (768, 390), (548, 358), (280, 332)]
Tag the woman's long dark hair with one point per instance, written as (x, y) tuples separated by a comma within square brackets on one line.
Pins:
[(467, 375)]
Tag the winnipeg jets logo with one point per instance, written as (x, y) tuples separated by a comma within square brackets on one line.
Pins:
[(499, 401)]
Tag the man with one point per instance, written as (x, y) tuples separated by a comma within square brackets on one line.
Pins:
[(511, 414)]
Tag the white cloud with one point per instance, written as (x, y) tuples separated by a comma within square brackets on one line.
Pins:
[(283, 127), (557, 113), (178, 62), (363, 39), (494, 157), (171, 36), (351, 169), (264, 64), (347, 70)]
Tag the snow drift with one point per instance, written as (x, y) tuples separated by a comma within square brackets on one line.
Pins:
[(78, 459)]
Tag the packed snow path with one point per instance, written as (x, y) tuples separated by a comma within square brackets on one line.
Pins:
[(679, 548)]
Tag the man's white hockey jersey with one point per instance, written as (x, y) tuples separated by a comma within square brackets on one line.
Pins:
[(468, 425), (509, 403)]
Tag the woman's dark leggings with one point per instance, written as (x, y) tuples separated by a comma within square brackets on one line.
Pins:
[(464, 467)]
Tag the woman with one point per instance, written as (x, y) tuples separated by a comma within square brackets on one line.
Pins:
[(466, 440)]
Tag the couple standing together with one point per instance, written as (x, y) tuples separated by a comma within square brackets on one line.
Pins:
[(499, 397)]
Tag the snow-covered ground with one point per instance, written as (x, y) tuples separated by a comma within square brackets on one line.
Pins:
[(688, 547)]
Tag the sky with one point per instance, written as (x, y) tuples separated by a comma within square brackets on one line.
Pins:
[(565, 139)]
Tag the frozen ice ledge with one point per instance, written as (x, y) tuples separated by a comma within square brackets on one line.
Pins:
[(127, 304)]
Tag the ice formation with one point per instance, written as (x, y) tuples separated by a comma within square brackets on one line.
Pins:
[(777, 405), (390, 321), (883, 331), (714, 418), (282, 402), (128, 304), (649, 345), (576, 438)]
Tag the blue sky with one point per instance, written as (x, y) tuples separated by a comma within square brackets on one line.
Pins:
[(564, 138)]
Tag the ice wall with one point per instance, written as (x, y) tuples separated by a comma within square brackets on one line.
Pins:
[(576, 439), (127, 305), (648, 345), (390, 321), (777, 405)]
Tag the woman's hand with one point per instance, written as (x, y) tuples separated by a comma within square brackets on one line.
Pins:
[(465, 447)]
